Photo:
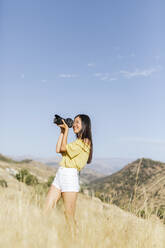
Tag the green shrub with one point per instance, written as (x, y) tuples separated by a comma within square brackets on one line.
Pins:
[(22, 174), (31, 180), (3, 183), (26, 177)]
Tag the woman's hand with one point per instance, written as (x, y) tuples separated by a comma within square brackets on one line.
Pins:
[(63, 126)]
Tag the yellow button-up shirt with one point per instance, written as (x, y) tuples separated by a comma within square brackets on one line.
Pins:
[(76, 154)]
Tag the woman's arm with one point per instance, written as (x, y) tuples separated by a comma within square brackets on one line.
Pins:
[(64, 140), (58, 146)]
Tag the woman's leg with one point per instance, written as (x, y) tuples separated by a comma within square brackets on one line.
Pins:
[(69, 199), (52, 197)]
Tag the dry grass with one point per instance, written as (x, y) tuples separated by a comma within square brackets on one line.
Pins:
[(147, 206), (134, 200), (23, 224)]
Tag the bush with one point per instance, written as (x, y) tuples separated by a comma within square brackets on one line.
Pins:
[(161, 213), (26, 177), (31, 180), (3, 183), (22, 174)]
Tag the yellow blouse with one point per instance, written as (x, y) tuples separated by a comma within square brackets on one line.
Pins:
[(76, 154)]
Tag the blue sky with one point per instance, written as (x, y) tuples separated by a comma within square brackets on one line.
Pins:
[(101, 58)]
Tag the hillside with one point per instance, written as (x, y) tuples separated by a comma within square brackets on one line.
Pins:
[(100, 225), (40, 170), (142, 180), (139, 185), (23, 224)]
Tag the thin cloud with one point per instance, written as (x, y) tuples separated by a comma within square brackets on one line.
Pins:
[(22, 75), (44, 80), (112, 79), (68, 75), (105, 76), (91, 64), (98, 74), (119, 56), (138, 72)]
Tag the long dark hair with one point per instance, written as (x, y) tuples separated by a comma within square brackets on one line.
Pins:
[(85, 132)]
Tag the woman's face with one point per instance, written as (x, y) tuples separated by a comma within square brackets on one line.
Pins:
[(77, 125)]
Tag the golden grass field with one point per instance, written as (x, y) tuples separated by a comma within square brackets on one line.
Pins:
[(23, 224)]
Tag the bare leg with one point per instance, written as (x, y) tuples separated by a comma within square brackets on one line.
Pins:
[(52, 197), (70, 207)]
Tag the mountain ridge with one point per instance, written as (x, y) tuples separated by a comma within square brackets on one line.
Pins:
[(143, 176)]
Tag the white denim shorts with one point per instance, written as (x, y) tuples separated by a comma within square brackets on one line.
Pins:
[(67, 179)]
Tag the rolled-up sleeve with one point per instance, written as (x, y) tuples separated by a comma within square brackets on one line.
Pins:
[(73, 149)]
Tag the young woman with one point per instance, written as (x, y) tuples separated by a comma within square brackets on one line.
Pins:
[(75, 156)]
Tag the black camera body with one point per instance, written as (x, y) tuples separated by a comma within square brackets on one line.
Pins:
[(58, 120)]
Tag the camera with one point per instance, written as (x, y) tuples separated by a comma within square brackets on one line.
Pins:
[(58, 120)]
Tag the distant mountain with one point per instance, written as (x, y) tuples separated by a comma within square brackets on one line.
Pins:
[(40, 159), (103, 166), (107, 166), (142, 180)]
